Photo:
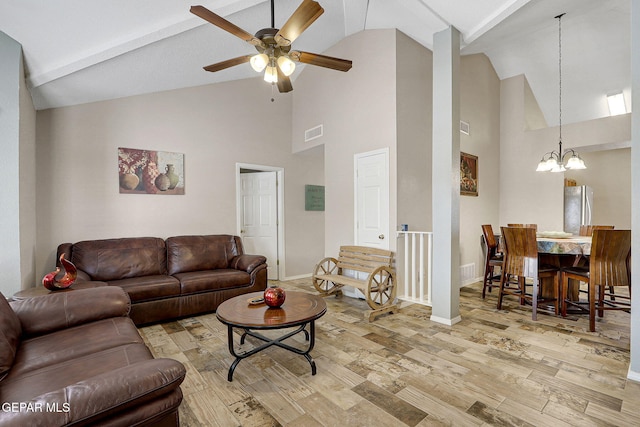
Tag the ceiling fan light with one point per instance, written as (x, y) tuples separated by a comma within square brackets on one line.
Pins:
[(271, 75), (259, 62), (286, 65)]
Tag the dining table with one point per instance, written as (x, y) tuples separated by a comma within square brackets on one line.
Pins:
[(571, 245), (563, 250), (578, 246)]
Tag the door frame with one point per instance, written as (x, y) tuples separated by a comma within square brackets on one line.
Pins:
[(280, 267)]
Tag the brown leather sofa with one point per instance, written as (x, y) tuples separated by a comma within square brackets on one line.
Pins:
[(76, 358), (167, 279)]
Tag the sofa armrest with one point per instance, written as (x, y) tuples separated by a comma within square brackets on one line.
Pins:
[(44, 314), (99, 398), (247, 263)]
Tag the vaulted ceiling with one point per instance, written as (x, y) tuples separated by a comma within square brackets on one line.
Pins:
[(79, 51)]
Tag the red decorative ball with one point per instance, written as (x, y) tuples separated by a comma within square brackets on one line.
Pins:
[(274, 297)]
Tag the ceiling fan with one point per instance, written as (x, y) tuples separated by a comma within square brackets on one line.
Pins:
[(275, 56)]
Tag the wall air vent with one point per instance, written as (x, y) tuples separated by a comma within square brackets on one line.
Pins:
[(464, 127), (313, 133)]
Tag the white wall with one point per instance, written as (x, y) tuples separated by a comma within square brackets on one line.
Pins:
[(17, 193), (27, 165), (362, 111), (215, 127), (527, 196), (480, 107), (414, 110), (10, 59), (609, 175), (358, 111), (634, 366)]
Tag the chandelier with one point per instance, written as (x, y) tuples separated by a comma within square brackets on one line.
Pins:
[(553, 161)]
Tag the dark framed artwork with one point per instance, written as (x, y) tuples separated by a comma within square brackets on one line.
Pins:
[(468, 174), (150, 172)]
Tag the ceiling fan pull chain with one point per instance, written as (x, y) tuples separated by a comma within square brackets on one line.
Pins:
[(273, 93)]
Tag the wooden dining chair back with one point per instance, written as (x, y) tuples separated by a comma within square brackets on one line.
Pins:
[(587, 230), (493, 259), (608, 268), (534, 226), (520, 263)]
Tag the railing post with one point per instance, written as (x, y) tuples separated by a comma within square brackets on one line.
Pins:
[(417, 264)]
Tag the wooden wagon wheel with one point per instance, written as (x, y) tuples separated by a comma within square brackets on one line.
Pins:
[(326, 266), (381, 290)]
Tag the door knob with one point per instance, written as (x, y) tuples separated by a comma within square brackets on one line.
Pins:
[(381, 237)]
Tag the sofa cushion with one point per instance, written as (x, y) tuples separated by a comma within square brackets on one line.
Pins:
[(68, 344), (61, 310), (193, 253), (148, 288), (114, 259), (203, 281), (21, 388), (9, 336)]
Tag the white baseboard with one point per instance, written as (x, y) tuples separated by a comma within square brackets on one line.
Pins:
[(302, 276), (633, 376), (442, 320)]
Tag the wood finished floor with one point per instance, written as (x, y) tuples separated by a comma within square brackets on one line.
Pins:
[(492, 368)]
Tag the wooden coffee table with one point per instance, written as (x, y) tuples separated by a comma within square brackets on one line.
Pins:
[(298, 311)]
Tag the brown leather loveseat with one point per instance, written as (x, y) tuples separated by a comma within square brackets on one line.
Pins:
[(167, 279), (76, 358)]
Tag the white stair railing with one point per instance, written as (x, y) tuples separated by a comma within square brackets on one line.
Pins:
[(414, 259)]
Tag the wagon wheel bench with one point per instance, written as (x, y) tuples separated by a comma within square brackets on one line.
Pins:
[(379, 288)]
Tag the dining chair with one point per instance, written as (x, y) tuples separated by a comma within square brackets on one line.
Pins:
[(520, 263), (493, 259), (608, 268), (534, 226), (587, 230)]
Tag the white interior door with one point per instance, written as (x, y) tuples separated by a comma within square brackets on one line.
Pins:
[(372, 199), (259, 217), (371, 172)]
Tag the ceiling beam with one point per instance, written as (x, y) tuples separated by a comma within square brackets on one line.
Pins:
[(134, 41), (499, 15)]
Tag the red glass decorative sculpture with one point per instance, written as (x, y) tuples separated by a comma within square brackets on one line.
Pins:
[(61, 279)]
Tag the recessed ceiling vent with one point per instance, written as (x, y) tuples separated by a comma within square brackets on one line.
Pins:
[(313, 133)]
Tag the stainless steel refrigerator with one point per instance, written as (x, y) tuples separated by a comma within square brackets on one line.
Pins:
[(578, 208)]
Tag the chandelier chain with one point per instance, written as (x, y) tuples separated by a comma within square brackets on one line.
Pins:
[(554, 160), (560, 74)]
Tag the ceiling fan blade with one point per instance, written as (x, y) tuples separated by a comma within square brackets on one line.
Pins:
[(304, 15), (228, 63), (222, 23), (284, 82), (321, 60)]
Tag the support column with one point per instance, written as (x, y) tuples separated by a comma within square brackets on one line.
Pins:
[(10, 58), (446, 177), (634, 365)]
